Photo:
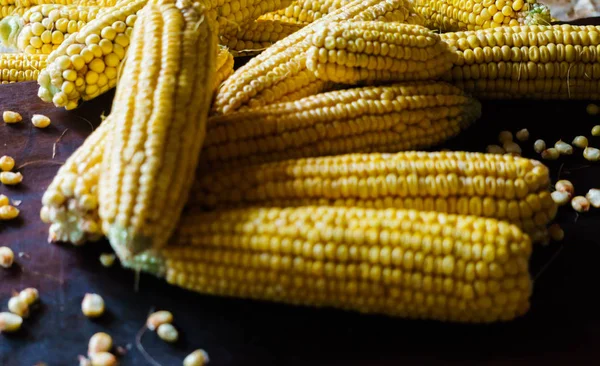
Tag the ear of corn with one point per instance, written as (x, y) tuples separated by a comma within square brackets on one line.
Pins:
[(224, 66), (396, 262), (280, 71), (87, 63), (351, 52), (104, 3), (160, 111), (381, 119), (258, 35), (451, 15), (16, 67), (554, 62)]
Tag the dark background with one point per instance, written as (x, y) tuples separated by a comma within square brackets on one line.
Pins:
[(562, 327)]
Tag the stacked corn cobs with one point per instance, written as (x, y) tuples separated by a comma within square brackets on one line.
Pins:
[(293, 178)]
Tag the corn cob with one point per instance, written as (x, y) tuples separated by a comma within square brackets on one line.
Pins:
[(15, 67), (454, 15), (545, 62), (258, 35), (403, 263), (86, 64), (280, 71), (104, 3), (160, 108), (224, 66), (387, 118), (351, 52), (70, 204), (43, 28)]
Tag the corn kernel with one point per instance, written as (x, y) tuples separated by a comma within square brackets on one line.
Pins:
[(505, 136), (167, 333), (99, 342), (560, 197), (10, 322), (556, 232), (159, 318), (593, 196), (197, 358), (8, 212), (564, 185), (592, 109), (7, 257), (512, 148), (103, 359), (495, 149), (591, 154), (11, 117), (92, 305), (16, 305), (596, 130), (107, 259), (580, 142), (41, 121), (29, 295), (10, 178), (580, 204), (563, 148), (522, 135), (3, 200), (539, 146), (7, 163)]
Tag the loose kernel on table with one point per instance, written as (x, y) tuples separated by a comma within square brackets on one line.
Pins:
[(30, 295), (11, 117), (591, 154), (7, 257), (563, 148), (494, 149), (103, 359), (3, 200), (197, 358), (522, 135), (564, 185), (10, 322), (580, 204), (539, 146), (505, 136), (512, 148), (596, 130), (159, 318), (8, 212), (593, 196), (16, 305), (99, 342), (561, 198), (10, 178), (167, 333), (7, 163), (92, 305), (40, 121), (550, 154), (556, 232), (107, 259), (592, 109), (580, 142)]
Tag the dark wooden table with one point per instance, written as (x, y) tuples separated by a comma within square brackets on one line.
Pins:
[(562, 328)]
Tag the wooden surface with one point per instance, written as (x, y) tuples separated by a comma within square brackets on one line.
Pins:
[(563, 326)]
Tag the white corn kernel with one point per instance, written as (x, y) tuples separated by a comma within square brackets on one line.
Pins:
[(564, 185), (512, 148), (563, 148), (7, 163), (494, 149), (92, 305), (10, 322), (593, 196), (556, 232), (550, 154), (30, 295), (560, 198), (197, 358), (10, 178), (596, 130), (522, 135), (107, 259), (103, 359), (167, 333), (8, 212), (16, 305), (580, 204), (40, 121), (505, 136), (159, 318), (592, 109), (11, 117), (539, 146), (580, 142), (7, 257), (591, 154), (99, 342), (3, 200)]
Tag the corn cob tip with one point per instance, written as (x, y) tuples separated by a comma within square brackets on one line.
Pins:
[(125, 243), (10, 27)]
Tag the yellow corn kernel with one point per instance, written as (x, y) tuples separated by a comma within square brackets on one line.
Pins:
[(8, 212), (10, 178), (7, 257), (99, 342), (224, 66), (7, 163), (10, 322), (11, 117), (197, 358), (4, 200), (92, 305), (40, 121)]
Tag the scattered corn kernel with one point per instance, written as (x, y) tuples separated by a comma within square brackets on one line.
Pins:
[(494, 149), (596, 130), (580, 204), (591, 154), (556, 232), (107, 259), (159, 318), (92, 305), (550, 154), (167, 333), (505, 136), (7, 163), (10, 322), (103, 359), (197, 358), (40, 121), (16, 305), (99, 342), (11, 117), (30, 295), (522, 135), (512, 148), (580, 142), (539, 146), (3, 200), (10, 178), (8, 212), (563, 148), (564, 185), (560, 197), (7, 257), (592, 109), (593, 196)]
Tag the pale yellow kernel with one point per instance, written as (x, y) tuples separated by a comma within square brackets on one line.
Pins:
[(560, 198), (7, 163), (580, 142), (92, 305), (167, 333), (197, 358), (522, 135), (7, 257), (11, 117), (107, 259), (580, 204), (564, 185), (591, 154), (16, 305), (103, 359), (593, 196), (10, 322), (550, 154), (10, 178), (41, 121), (30, 295), (539, 146), (8, 212), (596, 130), (563, 148), (97, 65), (158, 318), (99, 342)]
